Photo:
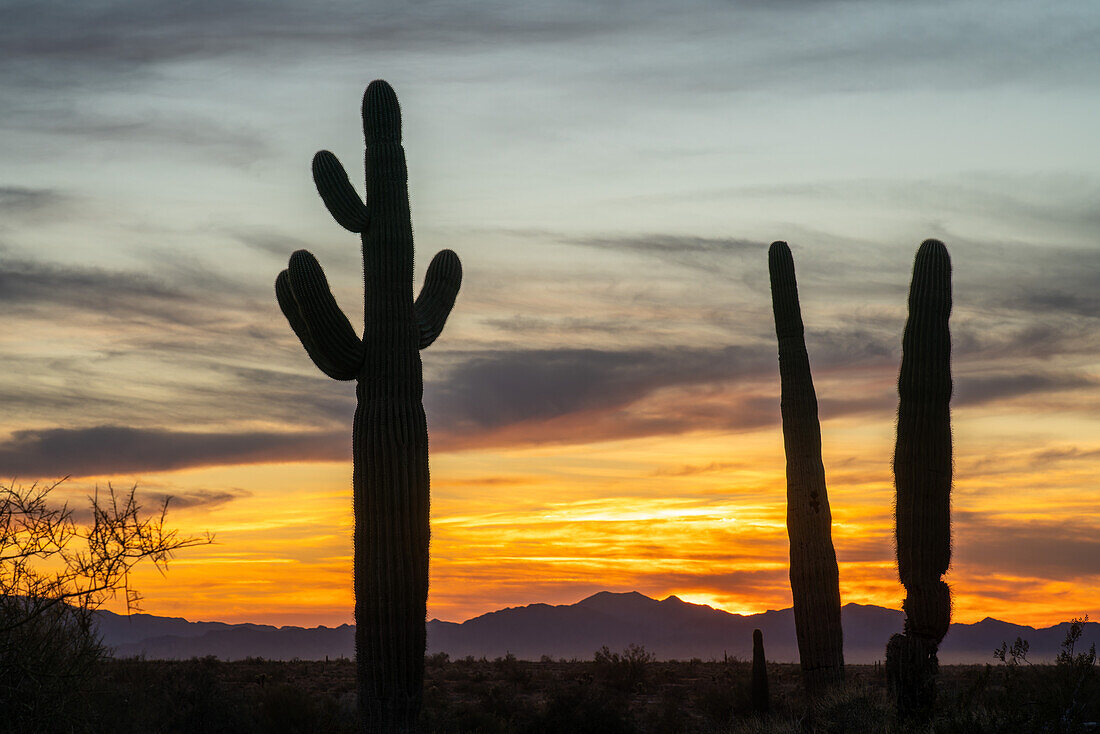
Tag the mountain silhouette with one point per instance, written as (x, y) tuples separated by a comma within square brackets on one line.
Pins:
[(670, 628)]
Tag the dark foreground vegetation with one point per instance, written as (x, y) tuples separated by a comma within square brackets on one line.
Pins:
[(614, 692)]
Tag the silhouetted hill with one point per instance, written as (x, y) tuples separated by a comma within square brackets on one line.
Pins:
[(669, 628), (121, 629)]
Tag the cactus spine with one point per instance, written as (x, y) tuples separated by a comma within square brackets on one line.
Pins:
[(389, 437), (759, 693), (922, 475), (815, 578)]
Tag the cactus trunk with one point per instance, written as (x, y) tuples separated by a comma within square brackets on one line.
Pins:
[(760, 700), (922, 475), (815, 578), (389, 435)]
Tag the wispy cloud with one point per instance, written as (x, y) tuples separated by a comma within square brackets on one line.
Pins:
[(691, 470), (916, 43), (19, 200), (30, 284), (197, 498), (705, 253)]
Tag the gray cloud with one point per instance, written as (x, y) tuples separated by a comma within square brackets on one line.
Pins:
[(26, 284), (556, 395), (231, 144), (270, 242), (697, 252), (915, 45), (1040, 281), (920, 45), (979, 389), (881, 404), (552, 325), (119, 450), (492, 397), (218, 328), (183, 288), (1073, 453), (187, 312), (309, 399), (191, 499), (22, 199), (1062, 550), (1070, 296), (131, 33), (490, 389)]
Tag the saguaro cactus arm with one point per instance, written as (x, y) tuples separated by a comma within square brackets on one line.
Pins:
[(305, 299), (437, 297), (340, 197)]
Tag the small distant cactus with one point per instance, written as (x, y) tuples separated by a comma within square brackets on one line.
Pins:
[(922, 475), (815, 578), (761, 703), (389, 437)]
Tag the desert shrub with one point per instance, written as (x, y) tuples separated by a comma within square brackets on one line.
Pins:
[(512, 670), (459, 714), (854, 707), (45, 665), (1062, 698), (666, 714), (288, 709), (625, 672), (770, 724), (169, 697), (576, 708), (719, 697), (436, 660)]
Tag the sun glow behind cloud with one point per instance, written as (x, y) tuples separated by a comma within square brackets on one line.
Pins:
[(701, 516)]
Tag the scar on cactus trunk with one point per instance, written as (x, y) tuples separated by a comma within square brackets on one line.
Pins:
[(922, 475), (389, 436), (815, 579)]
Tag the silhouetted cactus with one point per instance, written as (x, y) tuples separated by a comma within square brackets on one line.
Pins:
[(759, 693), (815, 579), (922, 475), (389, 437)]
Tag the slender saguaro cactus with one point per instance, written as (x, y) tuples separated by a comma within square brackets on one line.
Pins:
[(815, 579), (390, 436), (922, 475), (760, 701)]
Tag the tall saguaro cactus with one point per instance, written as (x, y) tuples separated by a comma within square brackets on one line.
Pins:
[(815, 578), (390, 436), (922, 475)]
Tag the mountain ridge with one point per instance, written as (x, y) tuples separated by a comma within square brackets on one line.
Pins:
[(670, 628)]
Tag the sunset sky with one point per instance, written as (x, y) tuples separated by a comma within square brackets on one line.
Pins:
[(603, 406)]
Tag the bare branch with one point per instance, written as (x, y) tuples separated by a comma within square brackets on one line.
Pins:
[(87, 565)]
